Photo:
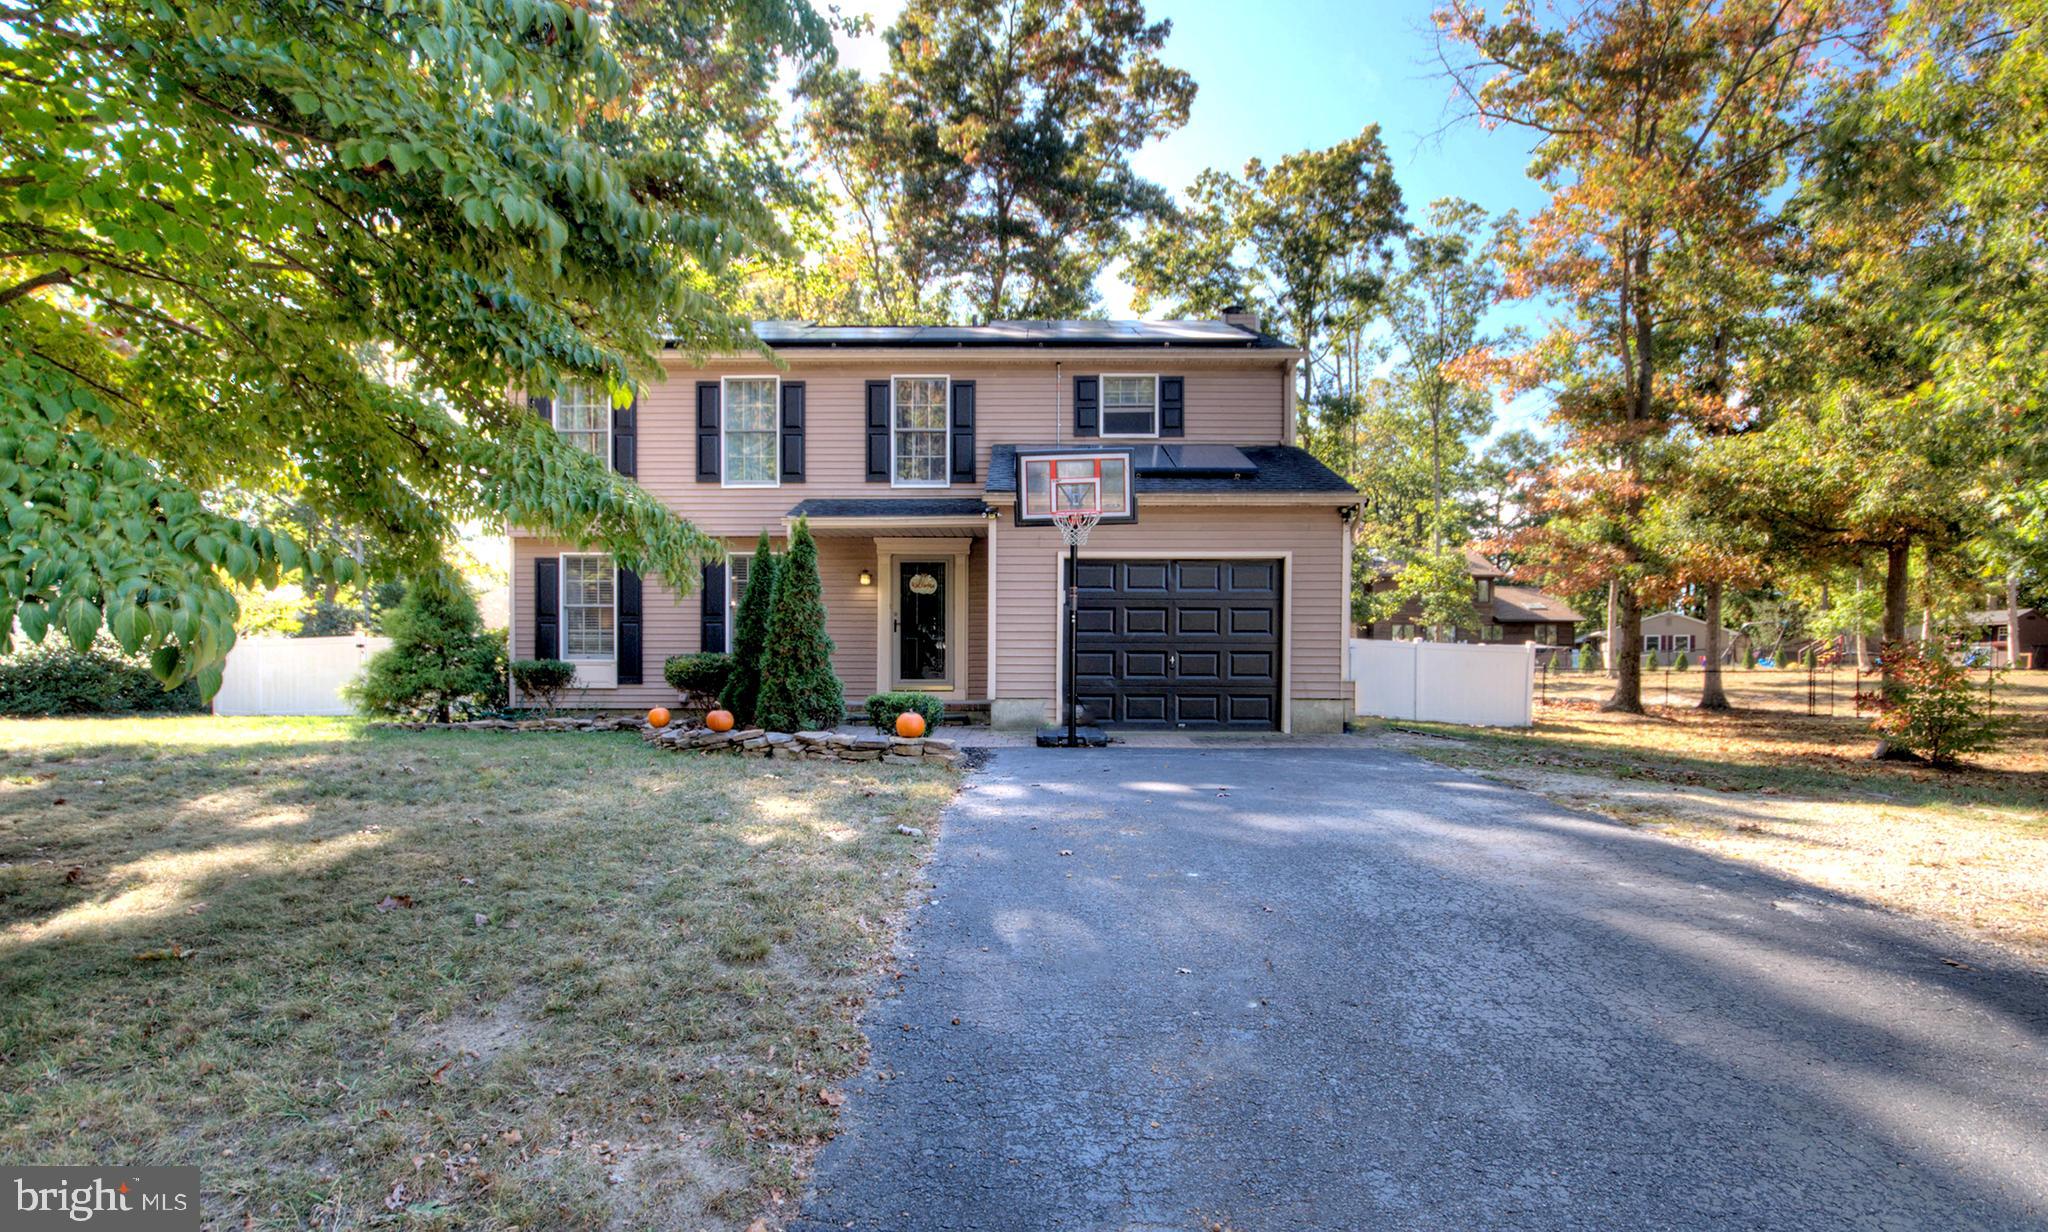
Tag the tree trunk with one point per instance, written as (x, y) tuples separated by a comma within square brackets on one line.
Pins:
[(1613, 656), (1628, 679), (1860, 634), (2012, 618), (1896, 559), (1712, 697)]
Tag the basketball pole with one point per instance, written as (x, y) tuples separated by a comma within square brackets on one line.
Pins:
[(1073, 627)]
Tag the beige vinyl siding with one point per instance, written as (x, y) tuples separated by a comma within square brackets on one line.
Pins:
[(1027, 599), (850, 612), (668, 627), (1013, 405)]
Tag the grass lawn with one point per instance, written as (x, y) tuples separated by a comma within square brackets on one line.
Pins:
[(428, 980), (1796, 793)]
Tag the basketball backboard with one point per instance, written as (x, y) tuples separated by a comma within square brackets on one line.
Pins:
[(1074, 481)]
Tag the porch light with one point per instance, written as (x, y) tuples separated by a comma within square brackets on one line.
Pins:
[(867, 578)]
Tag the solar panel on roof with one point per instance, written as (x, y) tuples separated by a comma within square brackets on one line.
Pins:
[(1213, 460)]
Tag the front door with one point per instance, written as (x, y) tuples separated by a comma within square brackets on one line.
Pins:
[(922, 655)]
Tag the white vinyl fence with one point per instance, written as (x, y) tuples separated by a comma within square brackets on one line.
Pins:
[(292, 675), (1445, 682)]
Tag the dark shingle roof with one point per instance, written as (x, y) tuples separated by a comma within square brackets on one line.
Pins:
[(1525, 604), (1279, 468), (892, 507), (1198, 334)]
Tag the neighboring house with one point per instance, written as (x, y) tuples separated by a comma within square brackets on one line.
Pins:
[(1987, 633), (1510, 613), (1667, 635), (1214, 594)]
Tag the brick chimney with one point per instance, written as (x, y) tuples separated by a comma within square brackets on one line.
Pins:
[(1237, 315)]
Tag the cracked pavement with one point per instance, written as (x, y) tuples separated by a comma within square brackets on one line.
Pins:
[(1309, 988)]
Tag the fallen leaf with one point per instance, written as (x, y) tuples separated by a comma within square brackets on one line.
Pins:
[(1183, 971), (177, 952), (469, 881), (392, 902), (1960, 966), (482, 919), (74, 874), (511, 1137), (830, 1098), (1065, 852)]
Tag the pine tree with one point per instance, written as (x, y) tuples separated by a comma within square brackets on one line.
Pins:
[(439, 657), (798, 689), (742, 692)]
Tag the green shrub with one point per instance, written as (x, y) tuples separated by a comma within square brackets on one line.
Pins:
[(884, 707), (798, 688), (1683, 662), (1649, 662), (543, 679), (440, 661), (53, 678), (741, 690), (1811, 658), (1749, 658), (698, 677)]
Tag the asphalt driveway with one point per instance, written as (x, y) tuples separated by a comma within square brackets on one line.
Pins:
[(1286, 988)]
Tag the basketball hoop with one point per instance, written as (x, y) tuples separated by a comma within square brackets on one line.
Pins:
[(1074, 527)]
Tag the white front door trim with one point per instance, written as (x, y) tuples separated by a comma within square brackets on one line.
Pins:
[(958, 631)]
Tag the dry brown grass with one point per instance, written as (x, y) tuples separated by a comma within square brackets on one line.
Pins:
[(1798, 793), (438, 981)]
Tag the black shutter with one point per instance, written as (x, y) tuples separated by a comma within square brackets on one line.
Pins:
[(707, 432), (543, 407), (1086, 421), (711, 638), (1172, 404), (547, 608), (878, 431), (627, 594), (626, 437), (963, 432), (792, 431)]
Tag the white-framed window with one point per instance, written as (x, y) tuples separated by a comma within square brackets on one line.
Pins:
[(583, 417), (1492, 632), (920, 431), (1546, 635), (1403, 632), (1130, 405), (1681, 641), (1649, 643), (749, 426), (739, 566), (589, 607)]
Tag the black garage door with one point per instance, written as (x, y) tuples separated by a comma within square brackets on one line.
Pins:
[(1180, 643)]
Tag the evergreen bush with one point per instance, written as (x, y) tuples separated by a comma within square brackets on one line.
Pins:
[(740, 692), (698, 677), (1683, 662), (798, 690), (54, 678), (884, 707), (1749, 658), (543, 679), (441, 659)]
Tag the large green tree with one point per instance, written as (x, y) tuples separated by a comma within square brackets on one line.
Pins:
[(1303, 241), (986, 171), (209, 208)]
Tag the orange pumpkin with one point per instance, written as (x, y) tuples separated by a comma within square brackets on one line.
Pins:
[(658, 717), (719, 720), (910, 725)]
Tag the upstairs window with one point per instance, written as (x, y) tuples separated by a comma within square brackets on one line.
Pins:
[(1130, 406), (1482, 591), (589, 607), (750, 432), (918, 428), (583, 417)]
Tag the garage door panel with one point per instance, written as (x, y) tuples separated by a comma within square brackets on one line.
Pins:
[(1180, 643), (1142, 621)]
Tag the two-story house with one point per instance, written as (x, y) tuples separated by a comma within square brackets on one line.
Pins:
[(1507, 612), (927, 461)]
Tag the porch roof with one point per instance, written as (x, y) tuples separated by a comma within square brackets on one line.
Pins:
[(908, 508)]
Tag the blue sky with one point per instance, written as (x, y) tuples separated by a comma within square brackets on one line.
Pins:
[(1298, 75)]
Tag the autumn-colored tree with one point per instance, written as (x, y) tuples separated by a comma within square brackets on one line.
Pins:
[(1665, 128)]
